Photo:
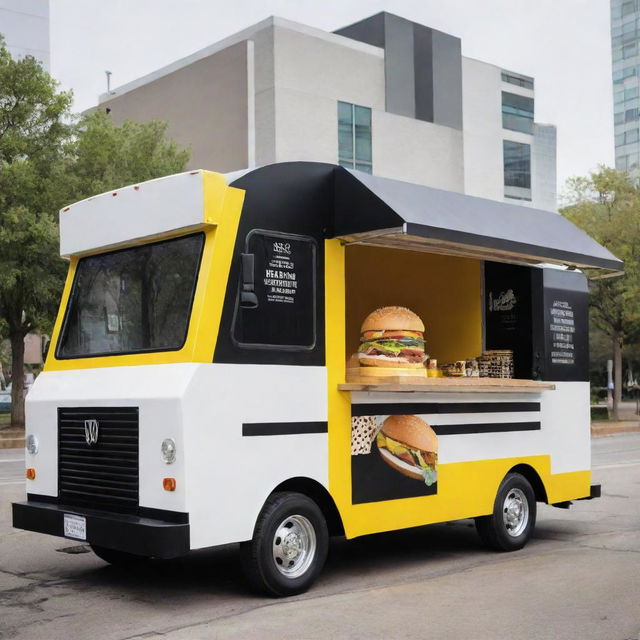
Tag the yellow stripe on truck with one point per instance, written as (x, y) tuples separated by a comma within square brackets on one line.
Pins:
[(465, 490)]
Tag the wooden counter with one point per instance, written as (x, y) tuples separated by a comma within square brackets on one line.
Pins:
[(440, 385)]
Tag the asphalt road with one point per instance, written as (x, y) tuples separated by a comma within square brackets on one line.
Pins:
[(579, 577)]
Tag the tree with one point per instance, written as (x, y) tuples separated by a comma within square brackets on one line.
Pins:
[(47, 161), (106, 157), (606, 204), (33, 135)]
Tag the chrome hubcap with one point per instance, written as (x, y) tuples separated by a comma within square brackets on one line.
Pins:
[(515, 512), (294, 546)]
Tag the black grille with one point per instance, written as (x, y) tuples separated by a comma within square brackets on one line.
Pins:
[(103, 475)]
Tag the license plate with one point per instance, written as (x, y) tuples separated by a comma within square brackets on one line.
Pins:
[(75, 527)]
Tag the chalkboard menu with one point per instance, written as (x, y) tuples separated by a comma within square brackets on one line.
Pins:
[(284, 282), (509, 317), (541, 314), (563, 298)]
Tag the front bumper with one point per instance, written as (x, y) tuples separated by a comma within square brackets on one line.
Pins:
[(132, 534)]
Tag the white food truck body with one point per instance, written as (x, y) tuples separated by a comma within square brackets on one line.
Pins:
[(252, 422)]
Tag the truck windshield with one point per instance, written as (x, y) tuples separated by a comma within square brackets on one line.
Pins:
[(133, 300)]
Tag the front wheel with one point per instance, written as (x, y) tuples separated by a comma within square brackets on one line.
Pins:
[(289, 545), (511, 524)]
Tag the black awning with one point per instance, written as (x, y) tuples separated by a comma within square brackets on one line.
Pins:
[(385, 212)]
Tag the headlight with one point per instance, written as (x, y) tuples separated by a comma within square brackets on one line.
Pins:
[(32, 444), (168, 450)]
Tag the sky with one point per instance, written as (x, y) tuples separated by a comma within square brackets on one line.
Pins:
[(564, 44)]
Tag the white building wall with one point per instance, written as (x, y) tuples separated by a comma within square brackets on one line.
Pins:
[(24, 25), (417, 151), (482, 124), (482, 88), (264, 140), (313, 71), (297, 74)]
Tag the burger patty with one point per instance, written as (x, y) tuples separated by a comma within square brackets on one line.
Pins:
[(411, 355)]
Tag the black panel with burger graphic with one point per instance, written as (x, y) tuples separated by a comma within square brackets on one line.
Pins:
[(393, 456)]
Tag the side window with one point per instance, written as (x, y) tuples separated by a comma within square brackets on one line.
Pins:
[(275, 304)]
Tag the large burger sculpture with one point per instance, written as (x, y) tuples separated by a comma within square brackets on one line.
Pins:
[(410, 446), (392, 338)]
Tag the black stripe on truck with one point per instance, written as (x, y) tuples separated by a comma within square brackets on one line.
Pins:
[(490, 427), (426, 408), (282, 428)]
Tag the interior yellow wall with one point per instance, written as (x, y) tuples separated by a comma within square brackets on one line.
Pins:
[(444, 291)]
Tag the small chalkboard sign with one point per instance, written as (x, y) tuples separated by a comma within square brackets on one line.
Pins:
[(285, 287)]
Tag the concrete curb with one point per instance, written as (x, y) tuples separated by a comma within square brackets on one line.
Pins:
[(610, 431), (611, 427), (11, 438)]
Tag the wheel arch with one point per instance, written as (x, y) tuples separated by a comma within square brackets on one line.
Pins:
[(319, 494), (534, 480)]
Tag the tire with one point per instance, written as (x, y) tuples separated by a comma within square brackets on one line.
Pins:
[(119, 558), (511, 524), (289, 545)]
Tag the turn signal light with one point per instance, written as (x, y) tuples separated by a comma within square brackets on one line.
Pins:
[(168, 484), (31, 474)]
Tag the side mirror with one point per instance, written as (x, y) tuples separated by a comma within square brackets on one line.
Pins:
[(248, 298), (46, 343)]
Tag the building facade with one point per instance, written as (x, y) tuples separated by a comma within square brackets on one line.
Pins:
[(384, 95), (24, 24), (625, 37)]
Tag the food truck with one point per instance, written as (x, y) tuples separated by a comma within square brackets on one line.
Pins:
[(210, 376)]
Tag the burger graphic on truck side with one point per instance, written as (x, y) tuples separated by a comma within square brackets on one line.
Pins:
[(409, 445)]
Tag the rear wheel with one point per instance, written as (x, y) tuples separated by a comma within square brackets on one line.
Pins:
[(289, 545), (118, 558), (511, 524)]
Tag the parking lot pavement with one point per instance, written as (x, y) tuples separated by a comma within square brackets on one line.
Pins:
[(11, 467)]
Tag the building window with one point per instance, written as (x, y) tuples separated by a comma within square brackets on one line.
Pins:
[(629, 50), (627, 8), (354, 137), (517, 79), (517, 112), (517, 170), (630, 136)]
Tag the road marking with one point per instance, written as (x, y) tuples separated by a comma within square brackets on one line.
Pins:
[(617, 466)]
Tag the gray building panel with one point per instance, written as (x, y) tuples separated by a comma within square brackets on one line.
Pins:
[(424, 94), (447, 80), (370, 30), (423, 67), (400, 87)]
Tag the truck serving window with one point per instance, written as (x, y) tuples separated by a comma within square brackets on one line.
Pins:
[(133, 300), (278, 280)]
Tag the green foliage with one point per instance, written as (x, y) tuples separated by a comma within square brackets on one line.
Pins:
[(49, 159), (34, 130), (107, 157), (46, 162), (607, 206)]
